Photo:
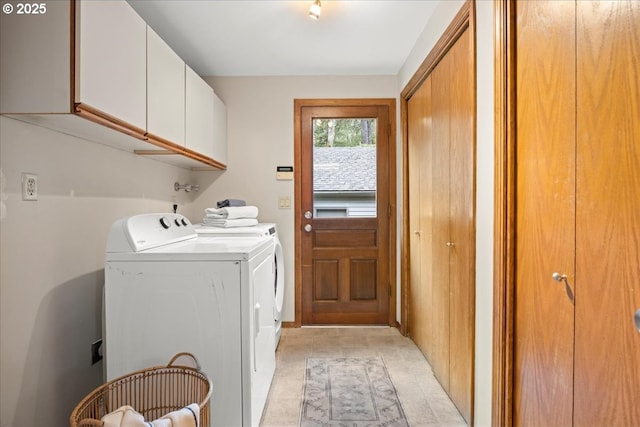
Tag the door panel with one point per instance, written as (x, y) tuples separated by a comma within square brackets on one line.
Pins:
[(607, 363), (462, 214), (441, 149), (345, 265), (545, 240), (420, 227), (441, 109)]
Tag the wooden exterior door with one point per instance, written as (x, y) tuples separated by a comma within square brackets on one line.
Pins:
[(344, 240), (576, 348)]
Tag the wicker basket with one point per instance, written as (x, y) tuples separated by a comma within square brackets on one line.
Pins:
[(153, 392)]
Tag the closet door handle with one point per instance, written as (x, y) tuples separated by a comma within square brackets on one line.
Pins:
[(636, 319), (563, 278)]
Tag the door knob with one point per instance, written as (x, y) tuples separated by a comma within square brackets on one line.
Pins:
[(563, 278), (636, 319), (307, 228), (308, 215)]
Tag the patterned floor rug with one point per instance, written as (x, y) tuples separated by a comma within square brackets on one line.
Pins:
[(349, 392)]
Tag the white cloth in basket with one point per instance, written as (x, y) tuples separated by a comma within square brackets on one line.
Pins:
[(126, 416)]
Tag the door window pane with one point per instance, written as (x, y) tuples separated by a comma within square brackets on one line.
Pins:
[(344, 168)]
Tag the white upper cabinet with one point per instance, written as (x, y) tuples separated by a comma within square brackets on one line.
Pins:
[(165, 90), (219, 130), (35, 64), (93, 68), (111, 64), (199, 114)]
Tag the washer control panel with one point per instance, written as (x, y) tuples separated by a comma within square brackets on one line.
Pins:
[(140, 232)]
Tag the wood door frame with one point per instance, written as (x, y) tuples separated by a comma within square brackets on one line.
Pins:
[(504, 213), (390, 103), (464, 19)]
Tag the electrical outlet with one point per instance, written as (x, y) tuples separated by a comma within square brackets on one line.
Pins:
[(29, 186), (96, 352)]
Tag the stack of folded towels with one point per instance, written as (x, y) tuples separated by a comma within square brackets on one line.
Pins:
[(231, 216)]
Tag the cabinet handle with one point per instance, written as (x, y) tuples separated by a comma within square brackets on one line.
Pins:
[(450, 244), (417, 232), (636, 319)]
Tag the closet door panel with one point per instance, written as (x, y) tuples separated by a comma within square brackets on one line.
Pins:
[(441, 107), (607, 363), (462, 249), (545, 74), (419, 156), (426, 216)]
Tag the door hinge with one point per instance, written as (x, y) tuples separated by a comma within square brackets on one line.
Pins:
[(389, 289)]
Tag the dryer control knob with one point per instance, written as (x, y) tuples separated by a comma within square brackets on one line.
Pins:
[(165, 223)]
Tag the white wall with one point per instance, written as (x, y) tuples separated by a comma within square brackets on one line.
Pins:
[(260, 133), (52, 259), (436, 25)]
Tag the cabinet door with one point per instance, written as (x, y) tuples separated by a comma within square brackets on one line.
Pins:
[(199, 114), (219, 130), (165, 90), (607, 344), (36, 59), (111, 63)]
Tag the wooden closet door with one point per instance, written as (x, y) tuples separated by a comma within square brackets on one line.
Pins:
[(545, 219), (461, 242), (441, 87), (420, 208), (607, 344)]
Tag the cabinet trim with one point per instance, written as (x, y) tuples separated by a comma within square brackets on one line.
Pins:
[(177, 149), (87, 112)]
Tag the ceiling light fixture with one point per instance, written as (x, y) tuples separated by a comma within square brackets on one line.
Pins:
[(315, 10)]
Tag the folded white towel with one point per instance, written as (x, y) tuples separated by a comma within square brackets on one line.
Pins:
[(232, 212), (226, 223), (126, 416), (189, 416)]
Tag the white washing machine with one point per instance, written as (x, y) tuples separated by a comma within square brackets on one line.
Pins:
[(168, 291), (267, 230)]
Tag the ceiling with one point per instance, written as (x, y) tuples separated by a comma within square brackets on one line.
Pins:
[(276, 38)]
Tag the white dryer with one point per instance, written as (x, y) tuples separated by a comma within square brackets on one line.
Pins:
[(168, 291), (267, 230)]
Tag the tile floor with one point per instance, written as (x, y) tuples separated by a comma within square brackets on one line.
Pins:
[(424, 401)]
